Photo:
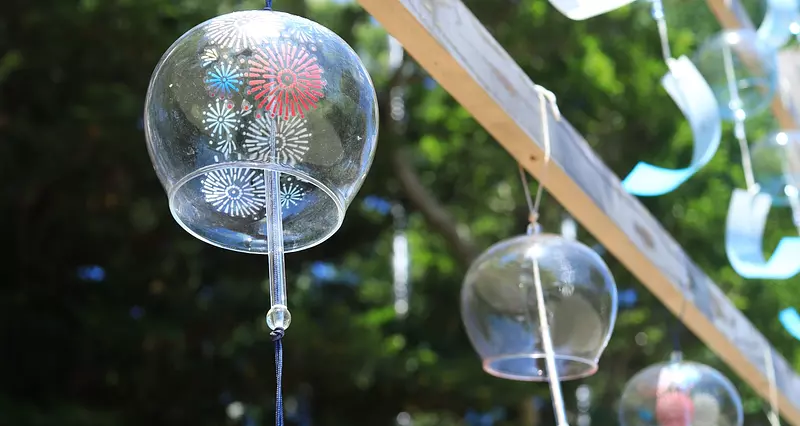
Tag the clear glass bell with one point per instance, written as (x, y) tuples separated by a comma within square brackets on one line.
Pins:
[(253, 94), (680, 393), (740, 60), (499, 307), (776, 166)]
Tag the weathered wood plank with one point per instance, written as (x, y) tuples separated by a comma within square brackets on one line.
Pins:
[(453, 46)]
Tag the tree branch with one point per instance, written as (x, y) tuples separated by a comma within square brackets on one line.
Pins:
[(435, 214)]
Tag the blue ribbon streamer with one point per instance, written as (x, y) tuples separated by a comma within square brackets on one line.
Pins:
[(578, 10), (692, 94), (744, 232), (775, 29), (790, 321)]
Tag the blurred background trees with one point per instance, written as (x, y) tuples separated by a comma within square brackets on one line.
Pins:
[(112, 315)]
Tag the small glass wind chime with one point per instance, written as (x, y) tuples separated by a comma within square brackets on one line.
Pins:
[(261, 126), (539, 307), (680, 393), (742, 69)]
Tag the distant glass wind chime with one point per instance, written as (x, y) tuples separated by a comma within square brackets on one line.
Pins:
[(261, 126), (680, 393), (539, 307), (401, 262), (742, 69)]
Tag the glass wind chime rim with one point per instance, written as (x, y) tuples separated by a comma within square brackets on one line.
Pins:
[(263, 167), (589, 367)]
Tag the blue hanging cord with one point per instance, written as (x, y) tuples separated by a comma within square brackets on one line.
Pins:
[(677, 327), (277, 336), (268, 5)]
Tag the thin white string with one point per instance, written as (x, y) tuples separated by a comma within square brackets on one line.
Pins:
[(792, 188), (739, 117), (774, 419), (545, 97), (657, 11)]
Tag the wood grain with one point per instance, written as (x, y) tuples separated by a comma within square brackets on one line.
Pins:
[(453, 46)]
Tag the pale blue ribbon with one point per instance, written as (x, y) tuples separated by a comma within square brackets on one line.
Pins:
[(775, 29), (744, 232), (579, 10), (791, 321), (690, 91)]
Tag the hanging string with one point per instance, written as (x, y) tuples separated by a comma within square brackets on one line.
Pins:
[(792, 188), (677, 328), (739, 116), (545, 97), (793, 195), (774, 418), (278, 317), (268, 5), (277, 337), (657, 12)]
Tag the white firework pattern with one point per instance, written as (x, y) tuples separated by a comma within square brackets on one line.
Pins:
[(291, 139), (226, 145), (245, 109), (304, 34), (221, 119), (209, 56), (292, 192), (240, 31), (237, 192)]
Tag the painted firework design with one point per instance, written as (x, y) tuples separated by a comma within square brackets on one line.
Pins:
[(224, 79), (304, 33), (292, 192), (237, 192), (240, 31), (221, 121), (209, 56), (291, 139), (286, 80)]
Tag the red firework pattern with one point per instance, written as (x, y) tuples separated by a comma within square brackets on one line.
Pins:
[(286, 79)]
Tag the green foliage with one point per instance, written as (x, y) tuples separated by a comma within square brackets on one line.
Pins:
[(79, 190)]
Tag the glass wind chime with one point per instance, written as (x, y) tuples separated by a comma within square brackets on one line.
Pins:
[(742, 69), (680, 393), (261, 126), (539, 307)]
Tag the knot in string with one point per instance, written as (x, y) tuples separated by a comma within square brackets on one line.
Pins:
[(277, 336), (545, 97)]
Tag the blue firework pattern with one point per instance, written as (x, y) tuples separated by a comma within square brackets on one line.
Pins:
[(292, 192), (224, 79)]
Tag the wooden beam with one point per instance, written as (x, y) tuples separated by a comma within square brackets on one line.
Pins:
[(732, 15), (453, 46)]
